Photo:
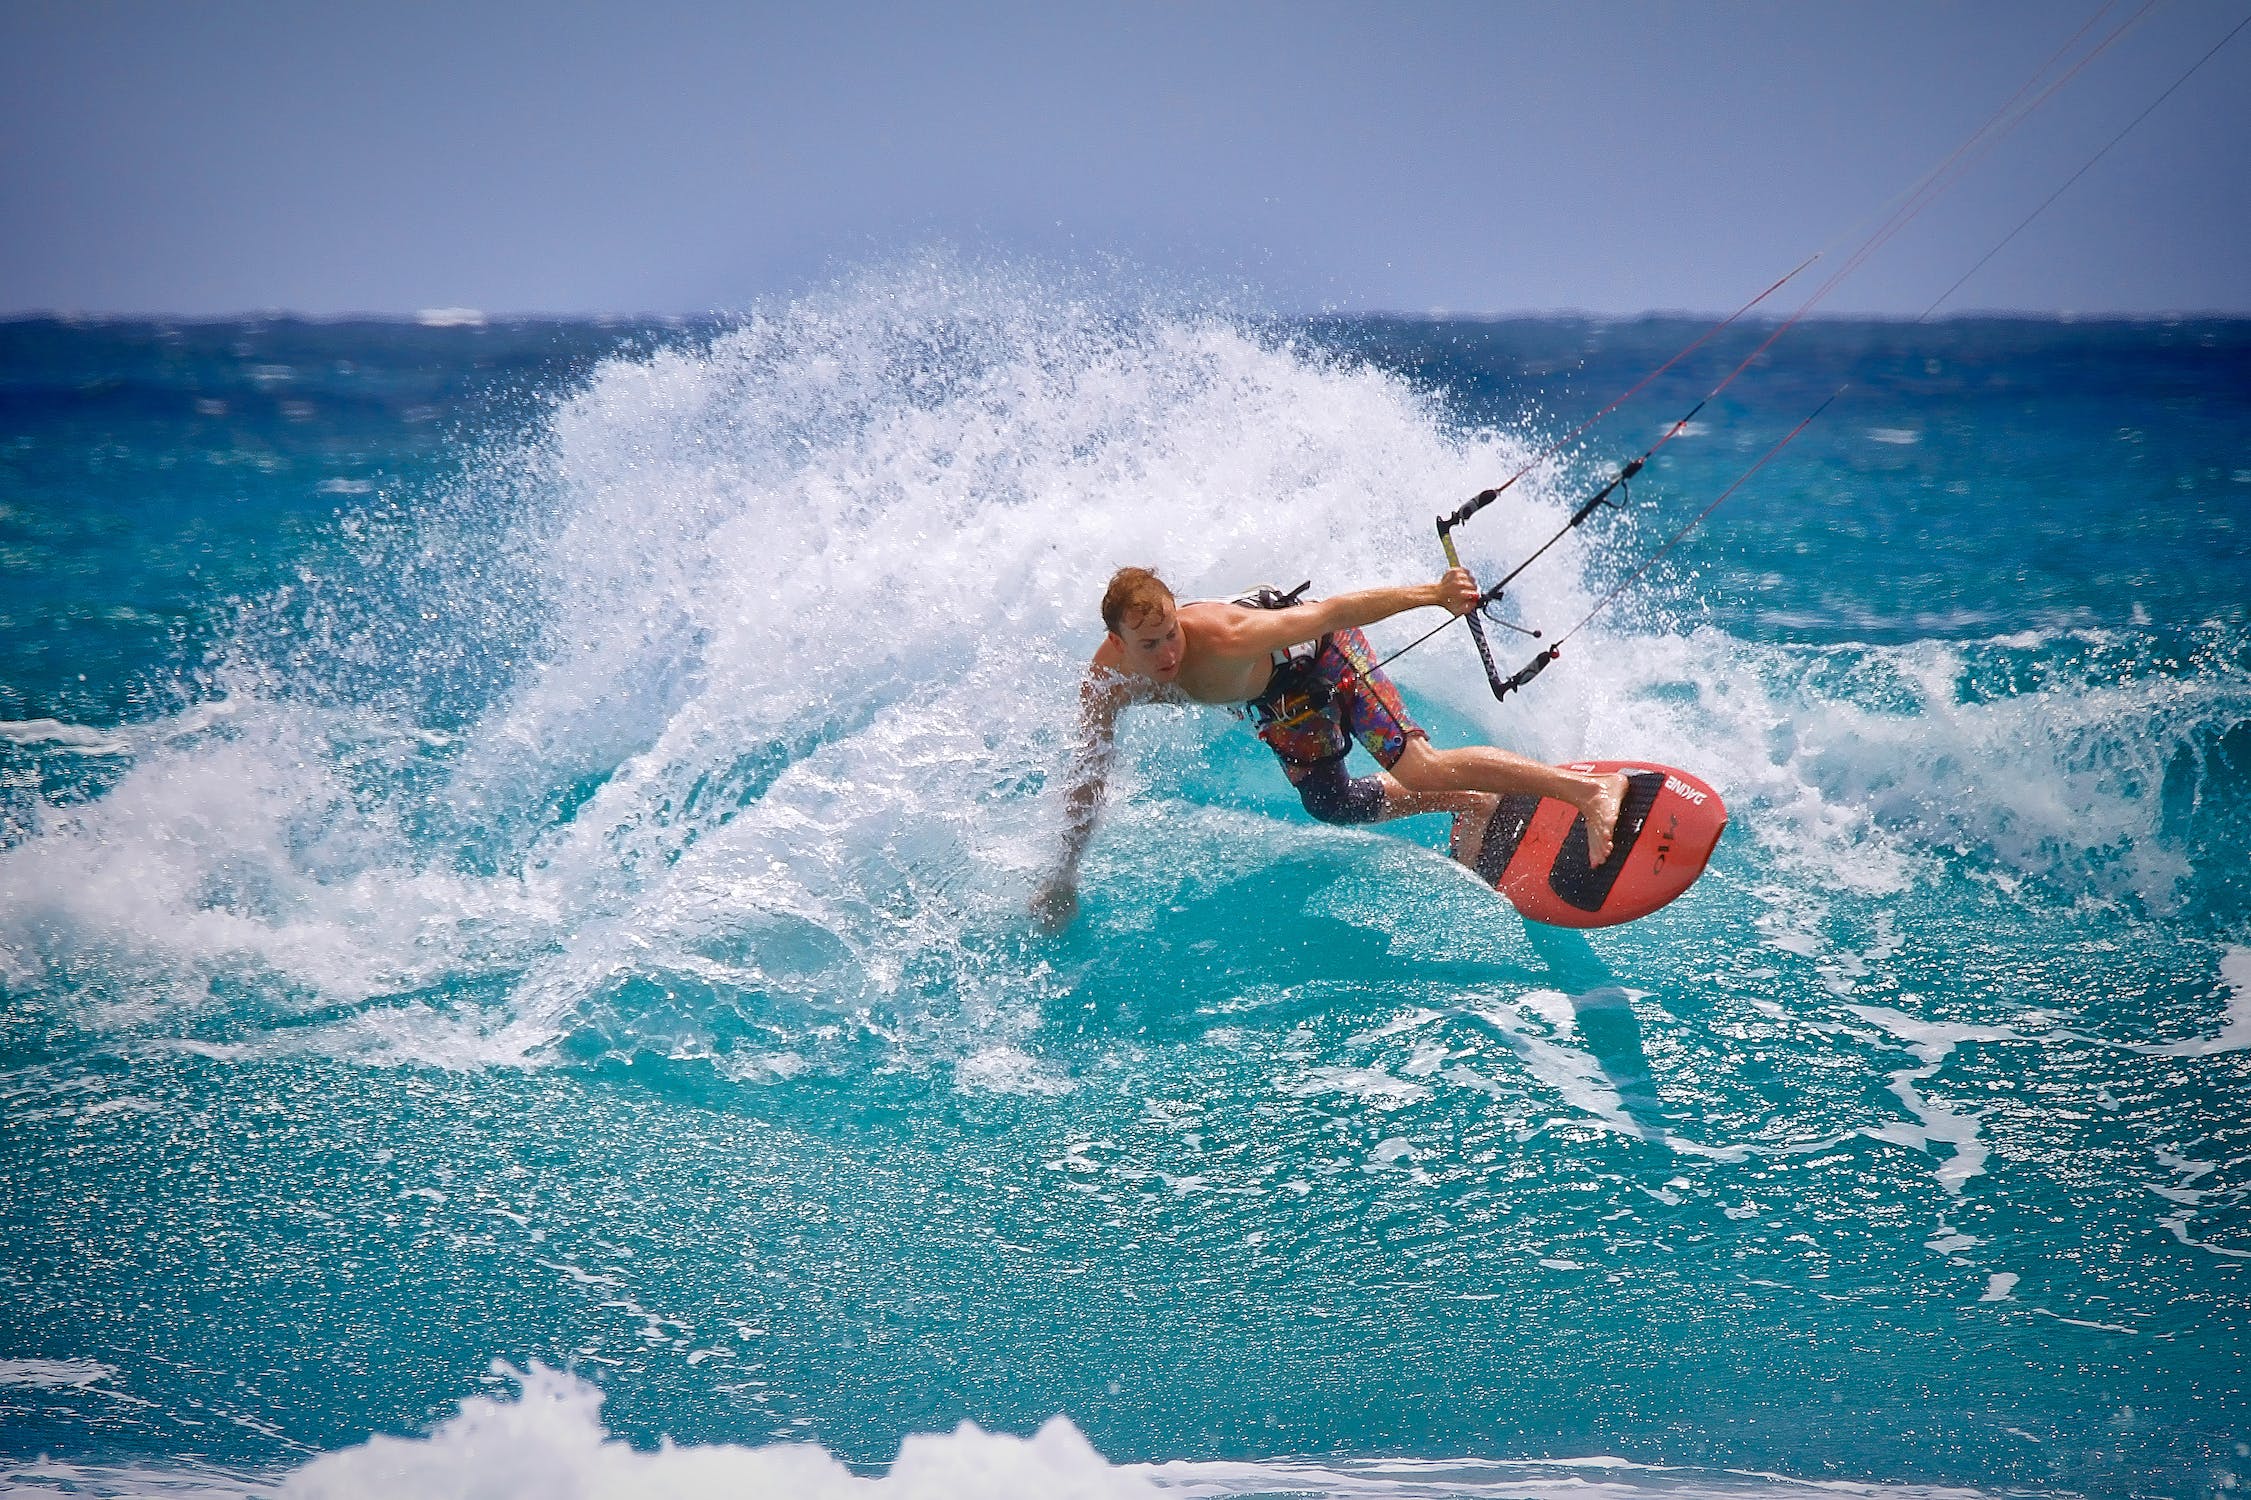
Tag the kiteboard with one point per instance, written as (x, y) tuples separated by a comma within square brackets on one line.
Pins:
[(1535, 848)]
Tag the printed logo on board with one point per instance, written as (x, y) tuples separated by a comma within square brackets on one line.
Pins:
[(1665, 842), (1684, 791)]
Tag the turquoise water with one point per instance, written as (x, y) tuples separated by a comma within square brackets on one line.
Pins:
[(514, 844)]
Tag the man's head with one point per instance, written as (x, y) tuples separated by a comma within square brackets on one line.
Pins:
[(1145, 622)]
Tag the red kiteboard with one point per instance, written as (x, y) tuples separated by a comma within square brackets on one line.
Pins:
[(1535, 849)]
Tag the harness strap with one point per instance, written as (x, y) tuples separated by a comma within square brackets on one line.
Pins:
[(1291, 663), (1292, 677)]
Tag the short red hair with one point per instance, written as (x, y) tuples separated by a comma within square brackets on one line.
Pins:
[(1135, 592)]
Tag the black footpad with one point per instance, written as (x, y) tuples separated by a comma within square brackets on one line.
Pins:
[(1572, 879), (1503, 832)]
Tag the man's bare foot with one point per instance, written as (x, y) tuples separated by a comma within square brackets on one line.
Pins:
[(1467, 840), (1601, 813)]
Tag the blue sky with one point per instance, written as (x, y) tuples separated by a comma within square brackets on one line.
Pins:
[(214, 158)]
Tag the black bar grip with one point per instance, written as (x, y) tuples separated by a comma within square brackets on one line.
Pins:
[(1485, 654), (1476, 626)]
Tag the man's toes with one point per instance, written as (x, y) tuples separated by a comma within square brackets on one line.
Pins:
[(1602, 818)]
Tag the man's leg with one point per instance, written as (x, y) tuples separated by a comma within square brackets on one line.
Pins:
[(1422, 768), (1375, 714), (1333, 796), (1404, 802), (1471, 810)]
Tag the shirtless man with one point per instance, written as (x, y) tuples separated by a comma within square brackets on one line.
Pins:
[(1308, 712)]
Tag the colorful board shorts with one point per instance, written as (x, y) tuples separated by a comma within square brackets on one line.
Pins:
[(1309, 717)]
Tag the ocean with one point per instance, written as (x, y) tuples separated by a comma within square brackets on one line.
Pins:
[(515, 840)]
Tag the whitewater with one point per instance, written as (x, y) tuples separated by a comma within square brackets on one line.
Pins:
[(515, 844)]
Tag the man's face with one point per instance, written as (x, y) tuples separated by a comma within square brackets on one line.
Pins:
[(1152, 643)]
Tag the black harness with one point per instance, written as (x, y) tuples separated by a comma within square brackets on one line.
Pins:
[(1293, 685), (1295, 691)]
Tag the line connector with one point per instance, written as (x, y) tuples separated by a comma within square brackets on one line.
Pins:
[(1531, 669)]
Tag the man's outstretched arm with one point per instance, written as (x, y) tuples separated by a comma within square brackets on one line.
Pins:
[(1250, 631), (1101, 697)]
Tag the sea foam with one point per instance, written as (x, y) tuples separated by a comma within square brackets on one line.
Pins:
[(727, 703), (549, 1443)]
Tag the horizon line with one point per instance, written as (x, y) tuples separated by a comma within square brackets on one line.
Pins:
[(473, 319)]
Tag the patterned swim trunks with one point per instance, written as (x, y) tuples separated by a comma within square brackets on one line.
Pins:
[(1311, 713)]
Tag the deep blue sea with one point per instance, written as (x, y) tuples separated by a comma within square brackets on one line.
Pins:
[(515, 979)]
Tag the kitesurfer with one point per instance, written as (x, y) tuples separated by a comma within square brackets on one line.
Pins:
[(1306, 676)]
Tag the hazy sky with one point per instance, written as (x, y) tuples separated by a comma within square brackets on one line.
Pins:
[(202, 158)]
